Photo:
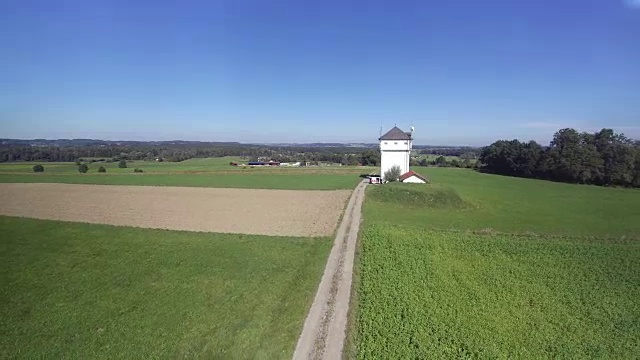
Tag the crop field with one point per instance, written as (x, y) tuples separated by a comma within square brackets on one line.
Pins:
[(484, 266), (246, 211), (459, 295), (87, 291), (214, 172)]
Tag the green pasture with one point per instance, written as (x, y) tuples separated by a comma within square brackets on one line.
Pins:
[(240, 180), (81, 291), (484, 266), (433, 157), (191, 165), (196, 165), (462, 199), (459, 295), (213, 172)]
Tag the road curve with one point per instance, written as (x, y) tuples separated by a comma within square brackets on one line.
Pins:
[(324, 329)]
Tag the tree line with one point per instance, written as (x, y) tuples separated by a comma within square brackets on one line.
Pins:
[(601, 158), (442, 161), (460, 151), (184, 151)]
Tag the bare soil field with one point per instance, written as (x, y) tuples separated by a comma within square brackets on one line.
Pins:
[(244, 211)]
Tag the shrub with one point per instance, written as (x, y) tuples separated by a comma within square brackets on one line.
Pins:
[(122, 164), (38, 168), (101, 169), (392, 174), (137, 170), (77, 162), (83, 168)]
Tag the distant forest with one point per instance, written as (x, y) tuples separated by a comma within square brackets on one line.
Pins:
[(73, 150), (601, 158)]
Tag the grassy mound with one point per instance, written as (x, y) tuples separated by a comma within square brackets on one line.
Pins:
[(418, 196)]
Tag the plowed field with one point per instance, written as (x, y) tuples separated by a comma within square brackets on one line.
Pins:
[(246, 211)]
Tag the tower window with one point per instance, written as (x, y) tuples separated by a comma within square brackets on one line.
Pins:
[(385, 143), (405, 143), (395, 143)]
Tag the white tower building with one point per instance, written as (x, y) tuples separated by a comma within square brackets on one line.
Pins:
[(395, 149)]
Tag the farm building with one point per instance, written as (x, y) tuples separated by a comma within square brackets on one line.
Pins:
[(263, 163), (413, 177)]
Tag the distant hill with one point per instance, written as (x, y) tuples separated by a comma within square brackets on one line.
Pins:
[(96, 142), (183, 143)]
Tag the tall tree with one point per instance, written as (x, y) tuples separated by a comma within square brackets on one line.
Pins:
[(636, 170), (618, 155), (528, 159), (572, 158)]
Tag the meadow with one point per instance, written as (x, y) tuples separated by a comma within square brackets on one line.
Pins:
[(484, 266), (461, 199), (462, 295), (207, 172), (432, 157), (96, 291), (191, 165)]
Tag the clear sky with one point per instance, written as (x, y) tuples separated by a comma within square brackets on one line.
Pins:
[(462, 72)]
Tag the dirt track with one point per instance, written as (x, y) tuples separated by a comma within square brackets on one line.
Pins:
[(246, 211), (324, 330)]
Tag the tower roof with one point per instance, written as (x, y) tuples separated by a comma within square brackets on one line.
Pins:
[(396, 134)]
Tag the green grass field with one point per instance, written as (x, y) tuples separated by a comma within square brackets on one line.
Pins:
[(457, 295), (432, 157), (93, 291), (246, 180), (191, 165), (461, 199), (213, 172), (196, 165), (485, 266)]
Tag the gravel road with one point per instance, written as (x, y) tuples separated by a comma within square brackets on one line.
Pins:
[(324, 329)]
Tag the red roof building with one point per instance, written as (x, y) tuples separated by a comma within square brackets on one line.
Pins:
[(413, 177)]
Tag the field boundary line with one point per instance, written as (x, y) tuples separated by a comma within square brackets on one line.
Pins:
[(324, 330)]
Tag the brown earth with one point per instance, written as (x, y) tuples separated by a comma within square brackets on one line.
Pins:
[(245, 211)]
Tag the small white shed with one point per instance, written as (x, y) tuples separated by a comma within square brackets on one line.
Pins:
[(413, 177)]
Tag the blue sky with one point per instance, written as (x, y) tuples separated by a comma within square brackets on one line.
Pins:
[(297, 71)]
